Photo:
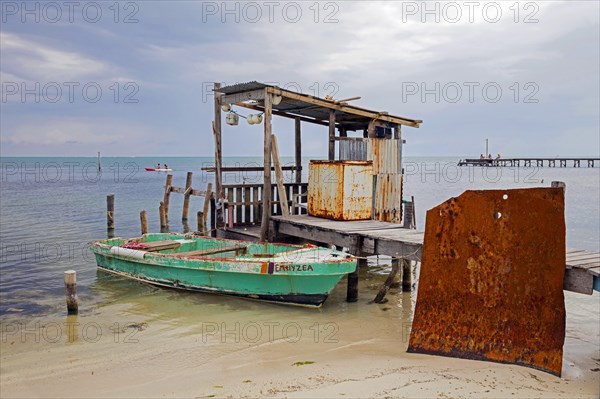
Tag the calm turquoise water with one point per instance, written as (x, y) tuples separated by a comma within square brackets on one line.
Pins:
[(52, 207)]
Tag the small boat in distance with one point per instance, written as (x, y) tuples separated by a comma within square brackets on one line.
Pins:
[(158, 170), (281, 273)]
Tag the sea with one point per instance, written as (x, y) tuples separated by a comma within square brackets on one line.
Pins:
[(51, 208)]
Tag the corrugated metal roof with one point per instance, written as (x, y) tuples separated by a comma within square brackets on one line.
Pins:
[(241, 87), (297, 106)]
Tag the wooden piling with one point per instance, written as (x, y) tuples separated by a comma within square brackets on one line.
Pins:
[(166, 200), (206, 208), (186, 197), (70, 277), (282, 195), (201, 223), (298, 149), (110, 215), (331, 149), (163, 217), (388, 282), (266, 197), (144, 222), (407, 275), (213, 216), (352, 290)]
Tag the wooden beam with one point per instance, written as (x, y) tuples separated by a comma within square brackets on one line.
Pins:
[(344, 108), (258, 94), (283, 200), (298, 134), (331, 134), (398, 132), (217, 136), (266, 193), (243, 169), (284, 114)]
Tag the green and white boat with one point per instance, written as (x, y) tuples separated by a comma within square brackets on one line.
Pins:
[(282, 273)]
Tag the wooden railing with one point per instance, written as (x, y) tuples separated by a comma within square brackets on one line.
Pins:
[(244, 202)]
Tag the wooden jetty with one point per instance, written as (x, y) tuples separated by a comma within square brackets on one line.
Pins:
[(576, 162), (279, 211)]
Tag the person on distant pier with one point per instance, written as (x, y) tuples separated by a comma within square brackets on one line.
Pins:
[(158, 166), (489, 156), (498, 156), (166, 167), (481, 156)]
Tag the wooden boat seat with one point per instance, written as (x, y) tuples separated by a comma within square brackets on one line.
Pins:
[(203, 252), (156, 246)]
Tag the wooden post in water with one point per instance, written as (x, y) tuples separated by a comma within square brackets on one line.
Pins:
[(166, 199), (144, 222), (331, 149), (298, 136), (407, 276), (110, 215), (201, 223), (163, 217), (213, 216), (70, 277), (283, 199), (217, 136), (352, 290), (266, 193), (388, 282), (186, 198), (206, 208)]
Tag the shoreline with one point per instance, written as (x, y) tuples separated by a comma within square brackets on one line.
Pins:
[(161, 344)]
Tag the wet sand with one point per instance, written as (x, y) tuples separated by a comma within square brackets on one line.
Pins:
[(148, 342)]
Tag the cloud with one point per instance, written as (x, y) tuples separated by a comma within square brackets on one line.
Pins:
[(38, 62)]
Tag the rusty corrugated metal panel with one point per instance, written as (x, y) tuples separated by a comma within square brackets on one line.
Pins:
[(388, 197), (340, 190), (386, 155), (353, 150), (491, 281)]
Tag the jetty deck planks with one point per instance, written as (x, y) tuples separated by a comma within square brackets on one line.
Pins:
[(372, 237)]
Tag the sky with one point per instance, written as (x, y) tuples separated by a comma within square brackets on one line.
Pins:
[(134, 78)]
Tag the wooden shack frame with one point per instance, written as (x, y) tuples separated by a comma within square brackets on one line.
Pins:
[(337, 115)]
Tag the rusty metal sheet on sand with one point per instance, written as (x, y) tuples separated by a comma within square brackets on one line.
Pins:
[(491, 281)]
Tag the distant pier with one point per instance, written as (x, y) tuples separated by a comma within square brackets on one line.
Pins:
[(531, 162)]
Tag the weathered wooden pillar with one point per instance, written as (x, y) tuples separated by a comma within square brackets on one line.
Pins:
[(207, 208), (110, 215), (298, 150), (352, 290), (217, 134), (167, 197), (186, 197), (407, 275), (266, 193), (388, 282), (213, 216), (201, 223), (331, 134), (282, 194), (397, 132), (70, 277), (144, 222), (162, 217)]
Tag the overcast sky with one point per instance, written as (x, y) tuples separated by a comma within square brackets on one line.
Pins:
[(132, 78)]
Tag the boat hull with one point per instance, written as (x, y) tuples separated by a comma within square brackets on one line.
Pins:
[(294, 283)]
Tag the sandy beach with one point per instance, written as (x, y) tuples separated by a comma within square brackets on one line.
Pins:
[(162, 343)]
